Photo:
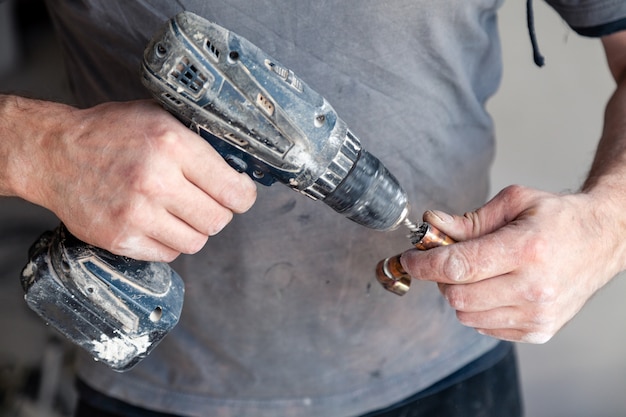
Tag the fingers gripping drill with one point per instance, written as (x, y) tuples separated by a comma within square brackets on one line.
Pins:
[(264, 121)]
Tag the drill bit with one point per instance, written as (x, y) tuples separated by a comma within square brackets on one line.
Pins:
[(413, 227)]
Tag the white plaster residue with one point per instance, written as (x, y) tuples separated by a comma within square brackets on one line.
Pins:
[(118, 350), (29, 270)]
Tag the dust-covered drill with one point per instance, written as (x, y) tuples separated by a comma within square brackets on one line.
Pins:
[(264, 121)]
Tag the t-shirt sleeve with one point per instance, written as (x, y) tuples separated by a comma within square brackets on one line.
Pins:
[(592, 18)]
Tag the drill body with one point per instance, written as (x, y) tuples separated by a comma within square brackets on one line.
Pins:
[(267, 122), (264, 121)]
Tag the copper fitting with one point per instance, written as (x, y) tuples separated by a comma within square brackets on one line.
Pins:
[(427, 237), (392, 276), (390, 272)]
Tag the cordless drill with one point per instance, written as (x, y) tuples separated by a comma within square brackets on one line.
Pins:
[(266, 122)]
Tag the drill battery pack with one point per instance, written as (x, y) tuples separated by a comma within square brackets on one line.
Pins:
[(116, 308)]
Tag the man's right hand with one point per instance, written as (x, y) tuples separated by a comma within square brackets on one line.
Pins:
[(127, 177)]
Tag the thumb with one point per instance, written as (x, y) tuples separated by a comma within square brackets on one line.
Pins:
[(506, 206)]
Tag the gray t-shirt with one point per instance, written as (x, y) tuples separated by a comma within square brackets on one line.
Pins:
[(283, 315)]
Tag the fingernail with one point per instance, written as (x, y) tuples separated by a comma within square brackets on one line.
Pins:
[(443, 217)]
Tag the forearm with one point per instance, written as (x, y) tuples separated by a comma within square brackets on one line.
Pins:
[(607, 176), (27, 128), (606, 181), (608, 171)]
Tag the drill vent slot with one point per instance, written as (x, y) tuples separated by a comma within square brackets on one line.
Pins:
[(282, 72), (286, 74), (172, 99), (212, 49), (235, 139), (188, 75), (265, 104)]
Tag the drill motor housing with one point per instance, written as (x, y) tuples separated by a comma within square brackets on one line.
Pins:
[(266, 121)]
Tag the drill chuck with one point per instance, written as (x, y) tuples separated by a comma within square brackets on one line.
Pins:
[(370, 195)]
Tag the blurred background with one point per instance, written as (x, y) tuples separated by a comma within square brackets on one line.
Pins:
[(548, 121)]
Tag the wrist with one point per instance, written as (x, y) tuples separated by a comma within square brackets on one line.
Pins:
[(606, 200)]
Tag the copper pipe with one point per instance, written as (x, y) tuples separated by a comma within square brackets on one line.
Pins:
[(428, 236), (390, 272)]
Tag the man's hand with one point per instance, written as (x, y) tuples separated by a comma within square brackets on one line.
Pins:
[(526, 262), (127, 177)]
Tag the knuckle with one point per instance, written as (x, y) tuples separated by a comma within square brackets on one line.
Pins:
[(195, 245), (113, 241), (145, 184), (548, 318), (250, 191), (542, 319), (536, 338), (541, 326), (165, 139), (537, 250), (219, 222), (242, 195), (473, 216), (135, 247), (461, 318), (513, 192), (135, 217), (456, 297), (456, 267), (168, 256), (465, 319), (474, 220), (541, 294)]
